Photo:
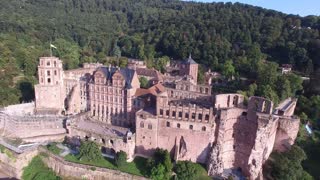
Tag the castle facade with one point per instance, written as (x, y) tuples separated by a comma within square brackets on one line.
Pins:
[(107, 105)]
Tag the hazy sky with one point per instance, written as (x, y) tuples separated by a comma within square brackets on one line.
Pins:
[(301, 7)]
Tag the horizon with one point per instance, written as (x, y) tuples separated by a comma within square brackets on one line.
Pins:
[(302, 8)]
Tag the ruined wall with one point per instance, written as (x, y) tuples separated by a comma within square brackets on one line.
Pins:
[(286, 133), (68, 169), (112, 143), (146, 133), (185, 138), (12, 164), (31, 126), (228, 100)]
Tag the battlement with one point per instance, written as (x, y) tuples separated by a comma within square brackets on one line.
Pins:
[(229, 100)]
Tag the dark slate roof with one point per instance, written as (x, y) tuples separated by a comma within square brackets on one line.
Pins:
[(190, 60), (126, 73)]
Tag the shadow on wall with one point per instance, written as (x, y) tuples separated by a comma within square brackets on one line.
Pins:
[(244, 133), (202, 158)]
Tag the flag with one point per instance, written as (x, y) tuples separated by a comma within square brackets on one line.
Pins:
[(51, 45)]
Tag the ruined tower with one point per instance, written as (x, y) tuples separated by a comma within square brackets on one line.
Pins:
[(49, 92)]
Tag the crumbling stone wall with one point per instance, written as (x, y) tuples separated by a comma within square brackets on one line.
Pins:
[(12, 163), (68, 169)]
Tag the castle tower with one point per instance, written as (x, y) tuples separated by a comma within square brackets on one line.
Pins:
[(49, 92), (190, 68)]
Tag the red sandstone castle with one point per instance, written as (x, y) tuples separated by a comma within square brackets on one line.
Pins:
[(224, 131)]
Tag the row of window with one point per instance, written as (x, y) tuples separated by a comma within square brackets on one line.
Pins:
[(186, 115), (48, 63), (107, 89), (116, 99), (142, 125), (168, 124)]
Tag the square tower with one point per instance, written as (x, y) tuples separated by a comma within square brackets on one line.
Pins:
[(49, 92)]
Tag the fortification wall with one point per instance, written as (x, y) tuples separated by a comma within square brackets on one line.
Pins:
[(286, 133), (12, 164), (68, 169), (30, 125)]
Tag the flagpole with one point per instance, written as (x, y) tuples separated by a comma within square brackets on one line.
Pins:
[(50, 49)]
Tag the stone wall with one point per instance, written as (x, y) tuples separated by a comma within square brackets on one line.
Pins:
[(69, 169), (28, 126), (12, 163)]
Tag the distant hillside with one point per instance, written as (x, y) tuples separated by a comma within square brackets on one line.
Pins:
[(212, 32)]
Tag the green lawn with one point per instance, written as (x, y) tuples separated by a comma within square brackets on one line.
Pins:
[(136, 167), (53, 148), (37, 170)]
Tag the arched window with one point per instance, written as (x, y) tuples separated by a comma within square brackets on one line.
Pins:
[(149, 126), (141, 124), (168, 124), (204, 128), (178, 125)]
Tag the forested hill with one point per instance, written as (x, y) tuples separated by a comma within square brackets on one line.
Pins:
[(146, 29), (216, 35)]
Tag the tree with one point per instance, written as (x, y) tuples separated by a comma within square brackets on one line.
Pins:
[(89, 151), (267, 92), (144, 83), (162, 157), (287, 165), (186, 170), (121, 158), (69, 52), (228, 70), (158, 173), (116, 50)]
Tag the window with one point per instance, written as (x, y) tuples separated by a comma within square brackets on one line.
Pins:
[(141, 124), (167, 112), (48, 63), (180, 114), (168, 124), (204, 128), (200, 116), (178, 125), (173, 113), (193, 115), (207, 117), (55, 72), (187, 115), (149, 126), (191, 127), (161, 112), (48, 73), (55, 64), (49, 80)]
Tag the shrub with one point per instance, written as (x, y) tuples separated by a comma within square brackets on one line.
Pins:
[(121, 158), (186, 170)]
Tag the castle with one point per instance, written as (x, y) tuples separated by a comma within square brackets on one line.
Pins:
[(107, 105)]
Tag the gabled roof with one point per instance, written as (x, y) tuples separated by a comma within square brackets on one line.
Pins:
[(190, 60), (125, 72), (154, 90)]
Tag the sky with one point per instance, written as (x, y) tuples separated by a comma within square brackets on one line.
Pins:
[(301, 7)]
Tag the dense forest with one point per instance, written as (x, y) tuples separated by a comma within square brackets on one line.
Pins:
[(238, 40)]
